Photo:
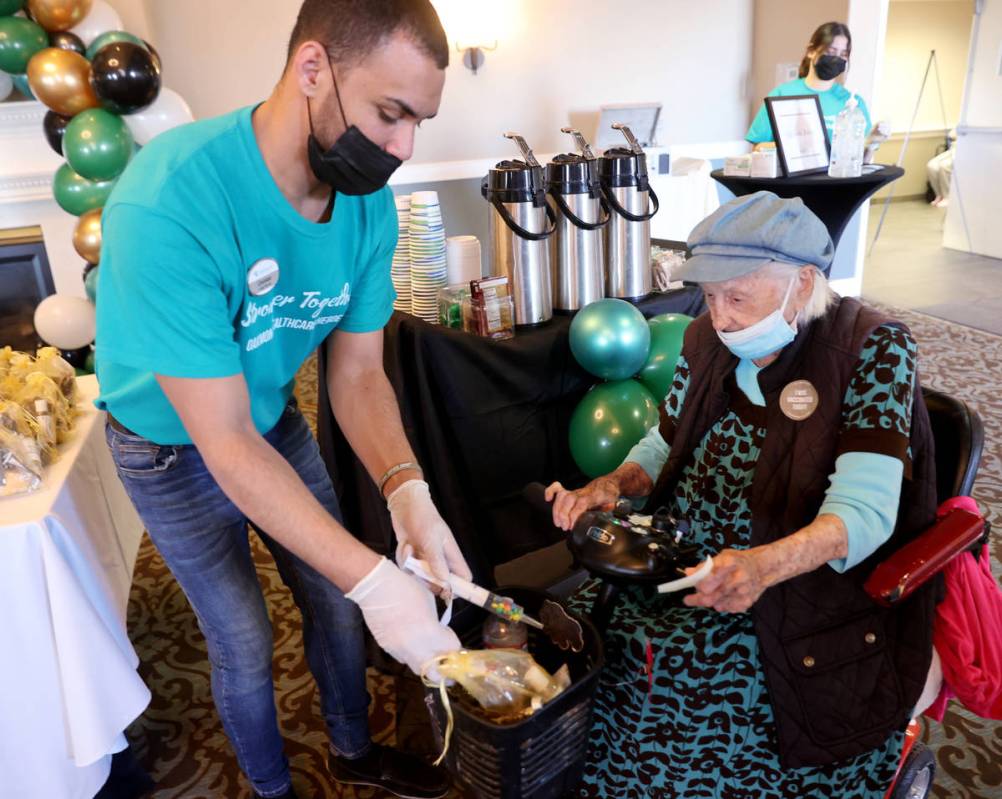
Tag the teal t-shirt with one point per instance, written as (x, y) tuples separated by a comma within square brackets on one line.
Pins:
[(208, 271), (832, 102)]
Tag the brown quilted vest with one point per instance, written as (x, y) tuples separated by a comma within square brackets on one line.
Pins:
[(842, 672)]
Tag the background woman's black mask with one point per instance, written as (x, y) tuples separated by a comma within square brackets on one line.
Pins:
[(828, 67), (354, 164)]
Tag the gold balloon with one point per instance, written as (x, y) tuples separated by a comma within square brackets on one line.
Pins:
[(87, 236), (59, 15), (61, 80)]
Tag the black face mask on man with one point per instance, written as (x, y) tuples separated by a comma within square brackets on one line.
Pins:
[(354, 164), (829, 67)]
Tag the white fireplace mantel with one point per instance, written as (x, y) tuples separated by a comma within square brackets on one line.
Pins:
[(27, 165)]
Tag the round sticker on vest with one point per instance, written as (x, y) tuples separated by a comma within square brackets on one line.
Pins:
[(798, 400), (262, 276)]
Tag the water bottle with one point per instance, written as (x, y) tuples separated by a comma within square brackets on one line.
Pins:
[(848, 141)]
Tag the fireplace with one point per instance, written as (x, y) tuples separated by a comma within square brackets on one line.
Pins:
[(36, 236), (25, 280)]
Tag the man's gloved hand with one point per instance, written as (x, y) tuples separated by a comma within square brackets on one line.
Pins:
[(400, 613), (422, 532)]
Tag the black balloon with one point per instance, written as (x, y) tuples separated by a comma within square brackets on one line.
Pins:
[(65, 40), (156, 56), (125, 77), (55, 126), (76, 358)]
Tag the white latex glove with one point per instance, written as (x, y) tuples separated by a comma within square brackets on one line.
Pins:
[(422, 532), (399, 611)]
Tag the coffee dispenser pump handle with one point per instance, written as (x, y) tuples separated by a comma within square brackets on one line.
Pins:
[(630, 138), (580, 142), (522, 145)]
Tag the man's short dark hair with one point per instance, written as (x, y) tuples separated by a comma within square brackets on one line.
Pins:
[(353, 28)]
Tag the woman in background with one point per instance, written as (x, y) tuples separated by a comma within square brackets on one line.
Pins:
[(824, 64)]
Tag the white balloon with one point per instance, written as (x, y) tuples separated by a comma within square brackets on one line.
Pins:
[(168, 111), (65, 322), (102, 18), (6, 85)]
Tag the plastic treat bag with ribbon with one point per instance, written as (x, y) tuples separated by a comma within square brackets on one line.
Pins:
[(507, 684)]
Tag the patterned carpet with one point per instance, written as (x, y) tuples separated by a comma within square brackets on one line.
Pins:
[(179, 738)]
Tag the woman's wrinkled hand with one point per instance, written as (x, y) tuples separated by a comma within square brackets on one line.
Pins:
[(602, 493), (734, 585)]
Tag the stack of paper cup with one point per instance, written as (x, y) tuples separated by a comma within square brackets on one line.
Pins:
[(427, 248), (462, 259), (400, 270)]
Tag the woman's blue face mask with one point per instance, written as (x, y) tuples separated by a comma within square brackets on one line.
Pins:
[(766, 336)]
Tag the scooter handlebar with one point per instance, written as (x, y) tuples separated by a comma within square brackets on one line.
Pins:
[(535, 495)]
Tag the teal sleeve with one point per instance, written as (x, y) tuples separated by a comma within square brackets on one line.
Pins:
[(876, 425), (747, 376), (760, 129), (372, 294), (650, 453), (864, 494), (164, 306)]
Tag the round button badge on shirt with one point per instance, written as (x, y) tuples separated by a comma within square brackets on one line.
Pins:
[(262, 277)]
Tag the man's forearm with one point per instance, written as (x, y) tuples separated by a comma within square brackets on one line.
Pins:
[(262, 484), (367, 412)]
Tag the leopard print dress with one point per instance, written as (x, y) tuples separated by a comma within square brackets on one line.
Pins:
[(702, 725)]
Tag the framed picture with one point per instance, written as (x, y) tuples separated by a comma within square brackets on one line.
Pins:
[(798, 126)]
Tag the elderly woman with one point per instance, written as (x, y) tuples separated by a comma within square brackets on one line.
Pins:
[(794, 441)]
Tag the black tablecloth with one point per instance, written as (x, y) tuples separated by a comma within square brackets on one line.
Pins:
[(484, 418), (834, 200)]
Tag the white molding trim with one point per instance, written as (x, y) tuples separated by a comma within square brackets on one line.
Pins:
[(25, 188), (15, 118), (27, 165)]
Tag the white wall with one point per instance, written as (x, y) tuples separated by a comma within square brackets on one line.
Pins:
[(913, 29), (553, 57), (975, 194)]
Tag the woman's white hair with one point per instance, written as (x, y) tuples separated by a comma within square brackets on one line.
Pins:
[(821, 297)]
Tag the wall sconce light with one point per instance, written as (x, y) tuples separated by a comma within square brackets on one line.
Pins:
[(473, 54), (474, 26)]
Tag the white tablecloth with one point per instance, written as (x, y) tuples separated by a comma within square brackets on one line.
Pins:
[(68, 681)]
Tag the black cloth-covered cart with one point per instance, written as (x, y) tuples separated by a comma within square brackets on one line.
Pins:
[(484, 418)]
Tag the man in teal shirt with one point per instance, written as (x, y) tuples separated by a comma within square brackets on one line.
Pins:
[(826, 59), (233, 248)]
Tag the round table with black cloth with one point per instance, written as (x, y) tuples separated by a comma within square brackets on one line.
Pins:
[(834, 200), (484, 418)]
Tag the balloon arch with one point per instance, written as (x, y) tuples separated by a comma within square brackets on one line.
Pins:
[(103, 89)]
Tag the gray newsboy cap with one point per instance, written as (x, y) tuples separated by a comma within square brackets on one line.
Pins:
[(749, 232)]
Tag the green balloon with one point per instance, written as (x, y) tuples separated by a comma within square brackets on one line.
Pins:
[(109, 37), (75, 194), (90, 284), (608, 421), (610, 338), (667, 332), (89, 364), (97, 144), (9, 7), (20, 39)]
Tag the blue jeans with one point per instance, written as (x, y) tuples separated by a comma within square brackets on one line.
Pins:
[(203, 538)]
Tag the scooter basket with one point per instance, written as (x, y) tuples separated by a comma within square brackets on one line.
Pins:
[(543, 756)]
